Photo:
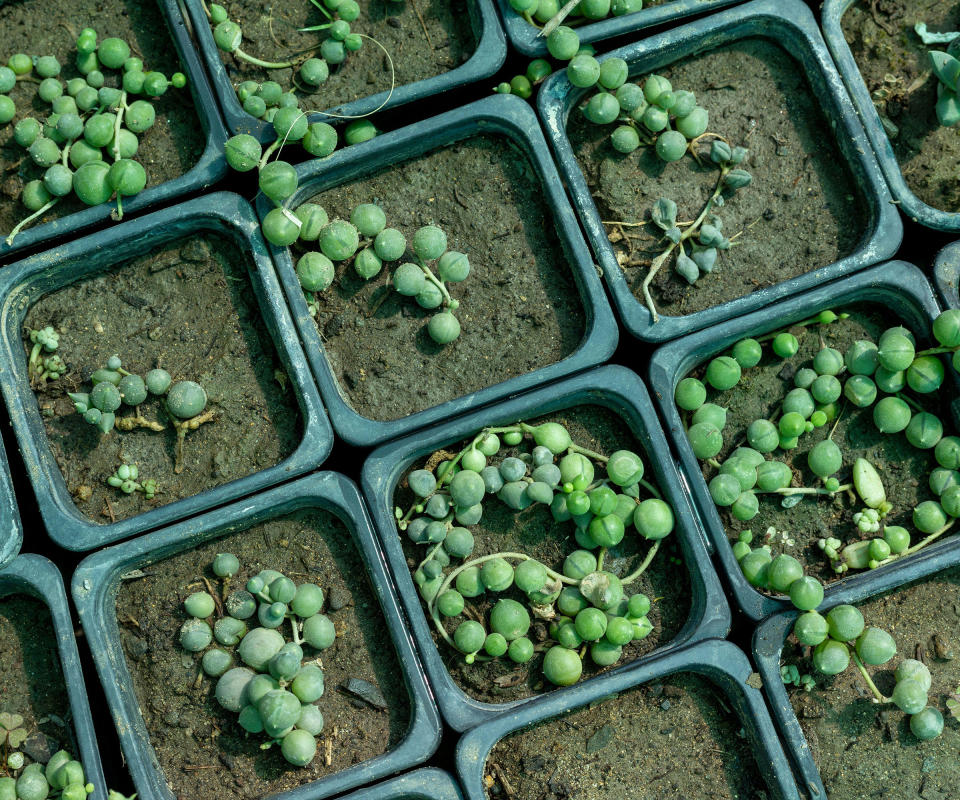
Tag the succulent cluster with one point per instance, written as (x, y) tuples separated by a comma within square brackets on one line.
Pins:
[(126, 478), (522, 86), (368, 243), (276, 691), (86, 144), (44, 363), (587, 607), (61, 777), (891, 377), (544, 12), (946, 66)]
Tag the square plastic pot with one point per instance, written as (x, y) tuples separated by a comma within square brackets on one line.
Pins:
[(771, 635), (37, 577), (23, 283), (429, 783), (790, 24), (504, 115), (910, 204), (95, 587), (490, 53), (209, 169), (615, 388), (525, 37), (946, 274), (721, 663), (905, 295)]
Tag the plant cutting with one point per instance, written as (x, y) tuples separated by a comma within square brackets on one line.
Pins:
[(588, 609), (85, 146)]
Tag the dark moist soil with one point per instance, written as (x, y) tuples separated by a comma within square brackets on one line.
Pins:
[(677, 738), (867, 750), (201, 747), (167, 150), (189, 308), (903, 468), (423, 37), (802, 211), (31, 681), (535, 533), (895, 66), (519, 307)]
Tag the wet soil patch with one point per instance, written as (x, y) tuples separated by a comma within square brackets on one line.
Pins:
[(896, 69), (519, 307), (802, 211), (863, 749), (190, 309), (167, 150), (903, 468), (423, 37), (201, 747), (676, 738), (535, 532)]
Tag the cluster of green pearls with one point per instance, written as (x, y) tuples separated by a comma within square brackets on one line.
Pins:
[(45, 362), (61, 777), (588, 609), (275, 692), (523, 85), (86, 145), (126, 478), (542, 11)]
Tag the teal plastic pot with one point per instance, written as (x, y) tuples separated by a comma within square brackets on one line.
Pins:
[(429, 783), (39, 578), (23, 283), (96, 584), (790, 24), (946, 274), (615, 388)]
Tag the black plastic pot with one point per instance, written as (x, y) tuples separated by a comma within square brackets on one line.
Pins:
[(23, 283), (37, 577), (905, 295), (423, 784), (771, 635), (211, 167), (488, 57), (946, 274), (910, 204), (525, 37), (615, 388), (721, 663), (790, 24), (95, 585), (504, 115), (11, 529)]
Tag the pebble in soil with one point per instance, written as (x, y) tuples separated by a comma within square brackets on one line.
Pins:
[(189, 308), (896, 69), (168, 150), (535, 532), (666, 739), (856, 743), (202, 749), (802, 211), (519, 307)]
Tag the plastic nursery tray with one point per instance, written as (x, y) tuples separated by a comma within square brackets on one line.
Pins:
[(790, 24), (946, 274), (429, 783), (95, 586), (612, 387), (910, 204), (720, 663), (23, 283), (490, 53), (905, 295), (209, 169), (525, 37), (505, 115), (11, 529), (37, 577), (771, 635)]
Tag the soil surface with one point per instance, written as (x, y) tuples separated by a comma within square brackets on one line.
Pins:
[(31, 681), (903, 468), (866, 750), (201, 747), (519, 307), (676, 738), (536, 533), (167, 150), (896, 69), (424, 38), (802, 211), (189, 308)]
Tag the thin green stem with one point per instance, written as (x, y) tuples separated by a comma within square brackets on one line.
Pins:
[(25, 222), (428, 274), (910, 401), (557, 19), (651, 488), (118, 123), (296, 631), (921, 544), (643, 564), (600, 555), (260, 63), (271, 148), (933, 351), (789, 490), (878, 695)]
